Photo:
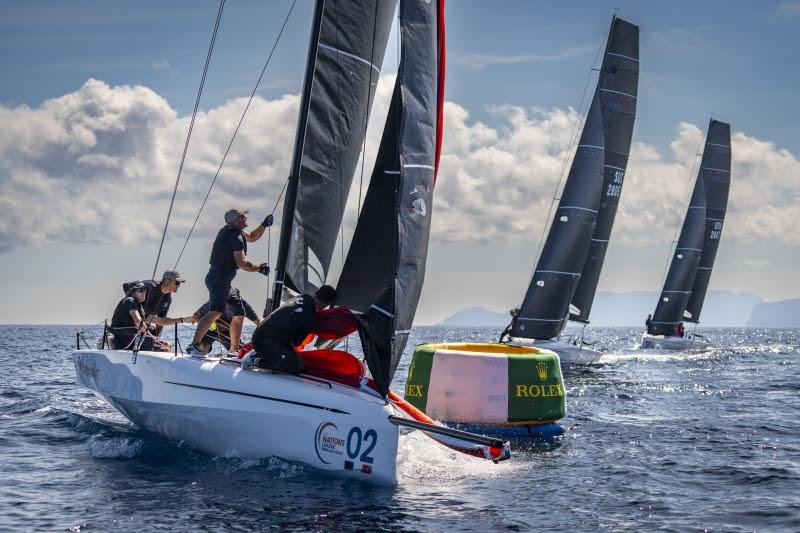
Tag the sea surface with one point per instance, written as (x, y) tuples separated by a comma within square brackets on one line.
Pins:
[(656, 440)]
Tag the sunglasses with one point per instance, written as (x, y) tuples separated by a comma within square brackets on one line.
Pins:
[(141, 290), (178, 283)]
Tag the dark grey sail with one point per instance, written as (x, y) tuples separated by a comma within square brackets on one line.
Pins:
[(544, 310), (385, 266), (716, 176), (617, 89), (683, 268), (351, 42)]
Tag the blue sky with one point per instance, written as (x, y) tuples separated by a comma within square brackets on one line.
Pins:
[(704, 58), (512, 68)]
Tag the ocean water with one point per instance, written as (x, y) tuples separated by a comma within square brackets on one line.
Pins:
[(657, 440)]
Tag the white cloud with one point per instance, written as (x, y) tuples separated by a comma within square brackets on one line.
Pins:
[(480, 61), (99, 164), (753, 264)]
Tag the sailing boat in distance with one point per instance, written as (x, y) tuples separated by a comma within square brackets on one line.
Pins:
[(565, 280), (507, 386), (693, 260)]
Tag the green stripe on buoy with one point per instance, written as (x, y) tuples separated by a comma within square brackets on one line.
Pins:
[(419, 376), (535, 387)]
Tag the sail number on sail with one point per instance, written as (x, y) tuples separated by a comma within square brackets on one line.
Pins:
[(616, 187), (716, 231)]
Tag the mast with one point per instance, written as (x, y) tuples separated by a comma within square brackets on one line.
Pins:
[(297, 156)]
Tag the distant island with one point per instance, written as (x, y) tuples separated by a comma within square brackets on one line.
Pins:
[(782, 314), (614, 309)]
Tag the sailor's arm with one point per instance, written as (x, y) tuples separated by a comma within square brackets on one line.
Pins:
[(137, 319), (167, 321), (243, 263), (256, 234)]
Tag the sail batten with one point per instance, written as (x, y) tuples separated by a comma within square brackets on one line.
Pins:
[(618, 90), (693, 258)]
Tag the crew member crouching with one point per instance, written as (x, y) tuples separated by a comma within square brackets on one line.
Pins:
[(274, 339)]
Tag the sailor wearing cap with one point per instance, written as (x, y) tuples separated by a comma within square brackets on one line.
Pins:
[(228, 254), (128, 319), (158, 299)]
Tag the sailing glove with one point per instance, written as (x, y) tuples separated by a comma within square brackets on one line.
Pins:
[(268, 221), (263, 268)]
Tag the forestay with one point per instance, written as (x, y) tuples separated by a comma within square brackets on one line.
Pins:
[(617, 89), (350, 46), (385, 266), (701, 227)]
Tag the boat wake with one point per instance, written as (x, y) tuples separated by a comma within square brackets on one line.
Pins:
[(421, 458)]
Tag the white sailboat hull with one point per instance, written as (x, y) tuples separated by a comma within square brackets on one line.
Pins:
[(672, 343), (226, 411), (568, 353)]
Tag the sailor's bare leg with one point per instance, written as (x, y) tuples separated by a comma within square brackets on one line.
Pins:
[(205, 323), (236, 332)]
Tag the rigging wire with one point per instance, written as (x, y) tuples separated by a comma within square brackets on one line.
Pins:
[(573, 138), (233, 137), (189, 134)]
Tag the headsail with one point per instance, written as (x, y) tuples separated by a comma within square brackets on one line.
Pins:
[(545, 308), (716, 172), (706, 210), (617, 89), (346, 53), (385, 267)]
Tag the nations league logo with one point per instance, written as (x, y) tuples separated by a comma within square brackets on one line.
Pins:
[(327, 442)]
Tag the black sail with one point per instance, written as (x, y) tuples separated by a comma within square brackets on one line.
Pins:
[(352, 41), (716, 177), (385, 266), (544, 310), (617, 89), (683, 268)]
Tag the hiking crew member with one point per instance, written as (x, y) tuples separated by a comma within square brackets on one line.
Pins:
[(648, 323), (274, 339), (228, 254), (228, 329), (128, 320), (158, 299)]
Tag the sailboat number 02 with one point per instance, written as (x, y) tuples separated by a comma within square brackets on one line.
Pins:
[(354, 441)]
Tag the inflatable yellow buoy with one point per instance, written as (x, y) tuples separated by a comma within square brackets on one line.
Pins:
[(486, 383)]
